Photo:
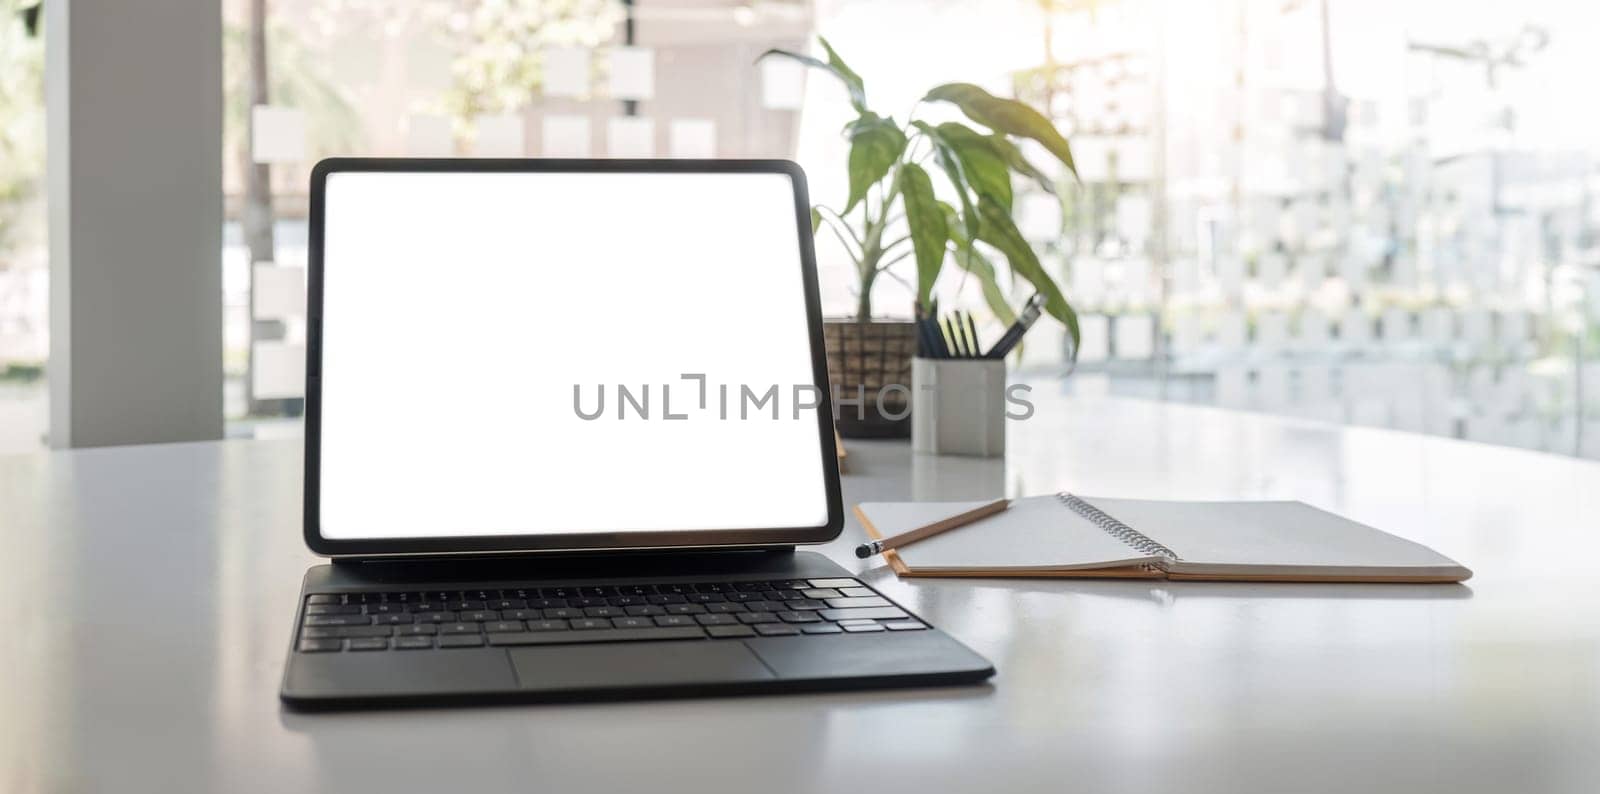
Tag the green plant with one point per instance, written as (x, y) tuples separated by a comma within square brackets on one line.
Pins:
[(886, 159)]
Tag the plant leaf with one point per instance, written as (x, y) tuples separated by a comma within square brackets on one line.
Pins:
[(1013, 157), (852, 81), (985, 169), (998, 230), (816, 220), (875, 144), (928, 228), (1006, 116), (973, 261), (835, 66), (951, 164)]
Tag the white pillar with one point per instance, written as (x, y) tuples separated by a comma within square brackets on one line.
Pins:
[(133, 94)]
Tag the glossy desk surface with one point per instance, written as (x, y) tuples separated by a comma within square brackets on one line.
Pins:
[(149, 592)]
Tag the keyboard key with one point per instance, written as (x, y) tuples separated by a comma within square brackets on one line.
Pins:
[(520, 614), (415, 630), (785, 595), (669, 598), (685, 609), (332, 609), (459, 628), (644, 611), (625, 600), (394, 619), (724, 608), (604, 612), (820, 628), (750, 587), (563, 613), (713, 587), (320, 646), (338, 620), (480, 616), (716, 620), (904, 625), (587, 603), (705, 598), (502, 626), (632, 623), (791, 584), (741, 598), (412, 643), (727, 632), (463, 640), (387, 609), (758, 617), (805, 603), (547, 625), (595, 591), (636, 589), (591, 624), (347, 631), (777, 630), (614, 635), (861, 628), (877, 613), (857, 592), (676, 589), (504, 604), (435, 617), (547, 603), (835, 583), (822, 592), (853, 603), (323, 598), (558, 592), (465, 605), (427, 606), (675, 620), (799, 617), (765, 606), (370, 644)]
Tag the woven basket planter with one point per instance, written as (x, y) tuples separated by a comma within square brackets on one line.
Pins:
[(864, 358)]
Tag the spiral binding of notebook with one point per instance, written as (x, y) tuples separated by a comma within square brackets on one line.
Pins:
[(1111, 526)]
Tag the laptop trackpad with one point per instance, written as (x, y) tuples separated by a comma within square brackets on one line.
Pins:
[(627, 664)]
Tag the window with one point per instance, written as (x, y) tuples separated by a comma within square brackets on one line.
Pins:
[(1334, 211), (24, 264)]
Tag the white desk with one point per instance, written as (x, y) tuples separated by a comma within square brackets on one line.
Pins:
[(149, 593)]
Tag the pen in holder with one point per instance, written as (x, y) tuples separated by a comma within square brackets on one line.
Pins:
[(958, 406)]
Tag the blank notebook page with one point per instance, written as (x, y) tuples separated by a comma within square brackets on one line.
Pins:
[(1267, 535), (1035, 533)]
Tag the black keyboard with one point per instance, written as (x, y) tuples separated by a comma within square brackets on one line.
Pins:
[(434, 620)]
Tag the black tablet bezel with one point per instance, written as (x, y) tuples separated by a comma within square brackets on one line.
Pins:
[(589, 541)]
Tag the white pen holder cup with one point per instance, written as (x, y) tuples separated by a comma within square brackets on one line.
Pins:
[(958, 406)]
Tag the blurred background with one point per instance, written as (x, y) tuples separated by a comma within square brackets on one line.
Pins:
[(1350, 211)]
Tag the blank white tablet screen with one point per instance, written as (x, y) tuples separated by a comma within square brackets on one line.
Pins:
[(473, 323)]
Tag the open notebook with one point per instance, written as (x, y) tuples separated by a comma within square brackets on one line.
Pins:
[(1066, 535)]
